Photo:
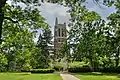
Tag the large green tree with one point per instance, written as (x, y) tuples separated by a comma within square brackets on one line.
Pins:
[(91, 37), (19, 31), (43, 56), (115, 24)]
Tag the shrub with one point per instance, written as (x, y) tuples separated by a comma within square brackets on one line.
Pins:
[(58, 66), (111, 69), (77, 64), (26, 68), (3, 62), (42, 70), (79, 67)]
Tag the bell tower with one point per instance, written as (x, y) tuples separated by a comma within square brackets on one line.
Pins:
[(60, 34)]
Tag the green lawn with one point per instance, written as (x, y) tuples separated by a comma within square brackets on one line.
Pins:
[(86, 76), (28, 76)]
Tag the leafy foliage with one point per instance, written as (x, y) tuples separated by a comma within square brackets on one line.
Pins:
[(43, 43), (58, 66), (3, 62), (79, 67), (92, 39), (19, 32)]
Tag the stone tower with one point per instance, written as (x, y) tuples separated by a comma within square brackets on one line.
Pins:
[(60, 35)]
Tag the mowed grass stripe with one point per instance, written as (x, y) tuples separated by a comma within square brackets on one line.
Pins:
[(97, 76), (28, 76)]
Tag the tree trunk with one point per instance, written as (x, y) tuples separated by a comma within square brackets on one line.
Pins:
[(1, 21), (91, 64), (117, 57)]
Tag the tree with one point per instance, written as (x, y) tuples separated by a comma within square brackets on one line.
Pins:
[(65, 53), (83, 33), (90, 36), (65, 50), (43, 56), (114, 23), (3, 62), (18, 36)]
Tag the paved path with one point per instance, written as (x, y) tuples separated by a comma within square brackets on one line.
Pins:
[(68, 77)]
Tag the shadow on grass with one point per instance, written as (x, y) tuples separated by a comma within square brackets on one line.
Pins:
[(20, 74), (98, 74), (118, 76), (24, 74)]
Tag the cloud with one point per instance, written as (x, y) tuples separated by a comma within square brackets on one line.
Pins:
[(50, 11), (102, 10), (9, 2)]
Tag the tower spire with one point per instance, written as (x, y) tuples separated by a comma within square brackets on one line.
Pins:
[(56, 21)]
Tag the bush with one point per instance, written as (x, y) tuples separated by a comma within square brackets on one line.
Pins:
[(77, 64), (25, 70), (3, 62), (42, 70), (79, 67), (58, 66), (26, 67), (111, 69)]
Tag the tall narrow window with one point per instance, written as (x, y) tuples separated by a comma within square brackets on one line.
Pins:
[(59, 32), (62, 32), (56, 32)]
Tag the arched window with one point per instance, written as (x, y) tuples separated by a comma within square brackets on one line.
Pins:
[(56, 32), (59, 32), (62, 32)]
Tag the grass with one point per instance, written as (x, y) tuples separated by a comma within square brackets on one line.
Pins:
[(28, 76), (90, 76)]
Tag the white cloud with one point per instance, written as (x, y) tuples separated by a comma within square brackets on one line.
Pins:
[(9, 1), (51, 11), (102, 10)]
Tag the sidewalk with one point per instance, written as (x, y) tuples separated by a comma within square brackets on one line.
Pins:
[(68, 77)]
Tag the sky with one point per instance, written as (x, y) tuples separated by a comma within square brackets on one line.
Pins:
[(50, 11)]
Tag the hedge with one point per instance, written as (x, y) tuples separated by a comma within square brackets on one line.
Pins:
[(42, 70), (80, 69), (76, 67), (111, 69), (25, 71)]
